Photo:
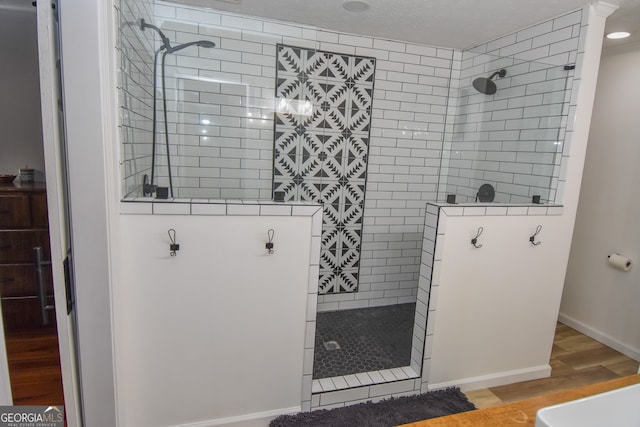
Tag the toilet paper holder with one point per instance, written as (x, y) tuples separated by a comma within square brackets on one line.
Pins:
[(619, 261)]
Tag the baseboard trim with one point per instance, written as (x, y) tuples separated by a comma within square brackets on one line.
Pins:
[(598, 335), (266, 416), (497, 379)]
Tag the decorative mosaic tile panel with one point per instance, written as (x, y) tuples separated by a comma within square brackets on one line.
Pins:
[(321, 142)]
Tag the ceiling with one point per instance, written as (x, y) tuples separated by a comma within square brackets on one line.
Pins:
[(626, 18), (456, 24)]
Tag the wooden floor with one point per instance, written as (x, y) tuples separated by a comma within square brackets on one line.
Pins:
[(576, 360), (34, 368), (523, 413)]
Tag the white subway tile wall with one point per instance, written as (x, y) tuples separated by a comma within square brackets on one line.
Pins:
[(407, 125), (134, 53), (220, 115), (220, 102)]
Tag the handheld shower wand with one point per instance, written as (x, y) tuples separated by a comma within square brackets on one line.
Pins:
[(148, 187)]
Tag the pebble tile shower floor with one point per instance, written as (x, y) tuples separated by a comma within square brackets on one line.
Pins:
[(363, 340)]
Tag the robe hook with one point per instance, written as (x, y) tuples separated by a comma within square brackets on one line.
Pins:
[(532, 239), (474, 241)]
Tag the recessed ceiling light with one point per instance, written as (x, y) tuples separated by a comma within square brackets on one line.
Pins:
[(618, 35), (355, 5)]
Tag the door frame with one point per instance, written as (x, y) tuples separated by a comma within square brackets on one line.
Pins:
[(56, 178), (90, 197), (6, 398), (89, 68)]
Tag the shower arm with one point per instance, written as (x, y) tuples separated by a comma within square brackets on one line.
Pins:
[(165, 40), (500, 73)]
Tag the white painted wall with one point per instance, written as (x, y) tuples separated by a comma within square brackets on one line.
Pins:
[(598, 299), (21, 141), (496, 306), (217, 331)]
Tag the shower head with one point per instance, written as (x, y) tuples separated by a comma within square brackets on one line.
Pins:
[(165, 39), (486, 85), (206, 43), (200, 43)]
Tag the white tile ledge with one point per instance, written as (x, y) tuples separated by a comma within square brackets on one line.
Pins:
[(496, 209), (363, 379), (149, 206), (488, 205)]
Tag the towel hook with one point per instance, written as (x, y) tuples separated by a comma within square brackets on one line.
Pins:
[(474, 241), (532, 239), (173, 246), (269, 244)]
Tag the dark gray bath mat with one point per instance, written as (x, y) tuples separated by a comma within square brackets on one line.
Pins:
[(387, 413)]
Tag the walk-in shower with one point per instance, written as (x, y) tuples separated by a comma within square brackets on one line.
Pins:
[(371, 134)]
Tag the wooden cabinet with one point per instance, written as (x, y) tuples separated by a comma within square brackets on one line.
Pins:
[(23, 227)]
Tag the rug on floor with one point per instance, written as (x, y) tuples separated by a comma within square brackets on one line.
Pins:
[(386, 413)]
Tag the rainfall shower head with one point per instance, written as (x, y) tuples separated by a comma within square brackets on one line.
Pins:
[(486, 85), (200, 43)]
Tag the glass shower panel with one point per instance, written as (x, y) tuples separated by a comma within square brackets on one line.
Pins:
[(220, 104), (215, 134), (509, 136)]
